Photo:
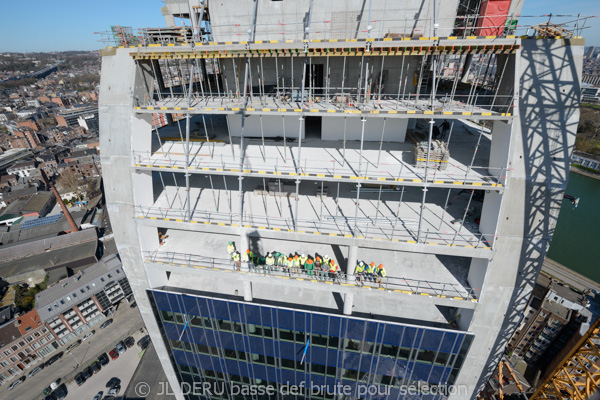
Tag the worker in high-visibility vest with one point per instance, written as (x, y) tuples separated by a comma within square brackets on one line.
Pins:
[(359, 272), (309, 267), (370, 272), (296, 264), (290, 265), (380, 273), (303, 259), (281, 261), (245, 258), (326, 260), (334, 269), (230, 248), (252, 262), (236, 260), (269, 263)]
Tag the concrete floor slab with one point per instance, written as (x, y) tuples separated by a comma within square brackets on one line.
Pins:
[(394, 160), (377, 216), (196, 248)]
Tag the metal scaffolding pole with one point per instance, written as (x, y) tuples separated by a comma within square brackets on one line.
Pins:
[(444, 211), (462, 223), (431, 123), (398, 212), (358, 185), (301, 118), (187, 148), (241, 167), (262, 135), (381, 143)]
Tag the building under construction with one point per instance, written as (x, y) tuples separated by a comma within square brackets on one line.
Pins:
[(432, 137)]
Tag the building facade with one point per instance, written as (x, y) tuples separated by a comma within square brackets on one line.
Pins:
[(309, 130), (25, 341), (75, 304)]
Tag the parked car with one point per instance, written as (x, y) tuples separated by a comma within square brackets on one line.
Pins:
[(103, 359), (79, 379), (121, 347), (72, 346), (114, 390), (95, 367), (98, 396), (15, 383), (106, 323), (129, 342), (54, 359), (133, 305), (143, 340), (114, 354), (61, 392), (35, 371), (87, 373), (113, 382), (88, 335)]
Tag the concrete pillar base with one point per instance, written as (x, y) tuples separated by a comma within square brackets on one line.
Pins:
[(348, 303), (247, 291)]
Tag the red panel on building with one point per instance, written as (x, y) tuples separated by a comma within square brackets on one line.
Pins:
[(492, 17)]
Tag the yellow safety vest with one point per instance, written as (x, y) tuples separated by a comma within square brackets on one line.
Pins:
[(270, 261), (359, 269), (303, 260), (370, 269), (381, 272), (236, 257), (245, 257), (230, 248)]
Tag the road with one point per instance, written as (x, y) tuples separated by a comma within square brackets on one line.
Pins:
[(122, 368), (125, 319), (570, 277)]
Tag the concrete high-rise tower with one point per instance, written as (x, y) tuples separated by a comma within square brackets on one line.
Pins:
[(421, 135)]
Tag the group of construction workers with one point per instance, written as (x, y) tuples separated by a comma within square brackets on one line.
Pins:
[(364, 272), (321, 268)]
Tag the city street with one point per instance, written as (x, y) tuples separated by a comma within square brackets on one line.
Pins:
[(122, 368), (124, 320)]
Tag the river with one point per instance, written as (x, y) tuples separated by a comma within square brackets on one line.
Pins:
[(575, 243)]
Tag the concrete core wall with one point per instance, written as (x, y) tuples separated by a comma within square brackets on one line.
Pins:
[(336, 19)]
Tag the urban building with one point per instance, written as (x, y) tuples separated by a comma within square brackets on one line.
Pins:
[(586, 160), (86, 117), (312, 130), (22, 169), (24, 341), (77, 303)]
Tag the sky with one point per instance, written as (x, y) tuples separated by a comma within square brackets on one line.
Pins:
[(42, 25)]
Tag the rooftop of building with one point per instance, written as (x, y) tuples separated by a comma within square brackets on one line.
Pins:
[(557, 310), (9, 333), (29, 321), (69, 292), (567, 293), (38, 202)]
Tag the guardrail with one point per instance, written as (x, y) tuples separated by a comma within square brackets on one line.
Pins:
[(340, 226), (397, 284), (333, 169)]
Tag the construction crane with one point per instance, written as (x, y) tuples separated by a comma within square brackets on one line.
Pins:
[(577, 376)]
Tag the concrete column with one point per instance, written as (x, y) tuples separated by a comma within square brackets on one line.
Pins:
[(348, 301), (352, 260), (247, 291), (242, 246)]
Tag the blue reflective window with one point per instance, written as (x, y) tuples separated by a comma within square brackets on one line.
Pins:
[(431, 339)]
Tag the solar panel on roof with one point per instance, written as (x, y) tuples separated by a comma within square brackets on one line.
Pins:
[(41, 221)]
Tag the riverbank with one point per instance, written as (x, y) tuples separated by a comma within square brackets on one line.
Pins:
[(568, 276), (584, 172)]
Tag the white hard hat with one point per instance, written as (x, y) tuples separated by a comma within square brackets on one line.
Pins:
[(326, 256), (269, 255), (303, 255), (361, 263)]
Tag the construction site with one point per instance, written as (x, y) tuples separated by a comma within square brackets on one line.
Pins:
[(421, 136)]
